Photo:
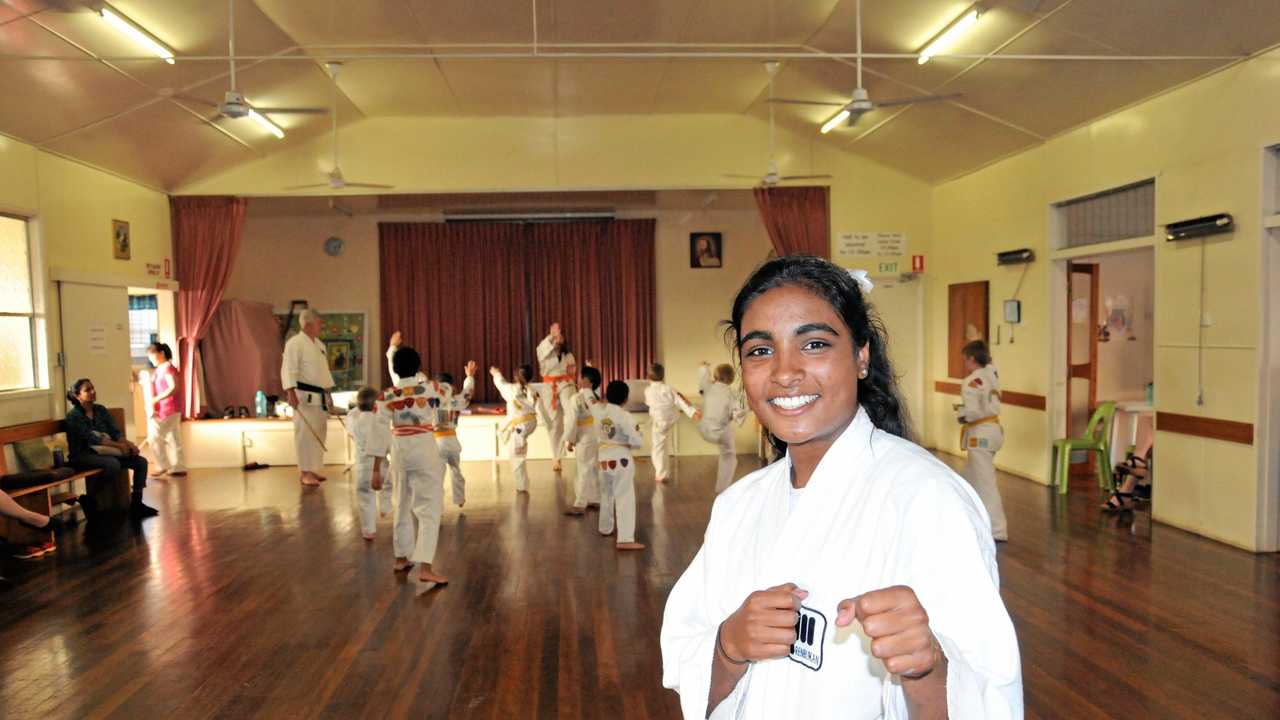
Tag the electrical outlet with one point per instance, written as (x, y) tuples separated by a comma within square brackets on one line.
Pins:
[(1206, 320)]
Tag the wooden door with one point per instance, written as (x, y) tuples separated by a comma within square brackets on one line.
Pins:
[(1082, 348), (967, 320)]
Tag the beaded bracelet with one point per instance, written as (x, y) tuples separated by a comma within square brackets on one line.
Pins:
[(725, 655)]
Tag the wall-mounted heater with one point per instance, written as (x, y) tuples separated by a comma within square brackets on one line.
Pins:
[(1199, 227)]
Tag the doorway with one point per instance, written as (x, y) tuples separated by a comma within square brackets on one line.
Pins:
[(899, 301)]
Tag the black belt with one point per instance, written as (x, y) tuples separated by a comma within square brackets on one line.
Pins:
[(308, 387)]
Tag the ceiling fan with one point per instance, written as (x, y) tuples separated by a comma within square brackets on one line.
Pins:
[(335, 179), (860, 103), (234, 105), (771, 176)]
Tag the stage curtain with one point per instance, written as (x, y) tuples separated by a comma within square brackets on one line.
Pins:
[(798, 219), (242, 354), (489, 291), (206, 239)]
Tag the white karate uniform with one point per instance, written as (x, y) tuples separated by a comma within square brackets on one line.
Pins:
[(521, 422), (305, 361), (554, 391), (447, 437), (164, 434), (982, 437), (722, 410), (618, 434), (413, 409), (581, 434), (663, 402), (878, 511), (372, 436)]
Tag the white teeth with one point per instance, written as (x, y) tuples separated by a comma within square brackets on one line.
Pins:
[(793, 402)]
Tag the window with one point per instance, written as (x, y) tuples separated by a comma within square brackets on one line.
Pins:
[(17, 307), (1117, 214), (144, 325)]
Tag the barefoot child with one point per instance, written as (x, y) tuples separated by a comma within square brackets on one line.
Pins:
[(721, 411), (580, 439), (447, 428), (412, 409), (663, 401), (618, 434), (372, 436), (521, 420)]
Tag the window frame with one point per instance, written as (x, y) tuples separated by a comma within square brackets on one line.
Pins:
[(30, 316)]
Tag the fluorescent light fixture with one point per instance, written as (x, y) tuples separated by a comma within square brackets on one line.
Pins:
[(944, 39), (266, 124), (835, 121), (135, 33)]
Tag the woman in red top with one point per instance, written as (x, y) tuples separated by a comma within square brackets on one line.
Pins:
[(164, 431)]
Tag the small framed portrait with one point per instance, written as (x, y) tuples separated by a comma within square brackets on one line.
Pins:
[(705, 250), (339, 352), (121, 246)]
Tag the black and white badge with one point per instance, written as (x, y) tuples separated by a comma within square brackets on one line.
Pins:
[(811, 633)]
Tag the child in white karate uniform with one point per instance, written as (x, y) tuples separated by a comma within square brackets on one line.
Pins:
[(372, 436), (618, 434), (722, 411), (559, 370), (663, 402), (580, 439), (522, 419), (982, 436), (447, 429), (413, 408)]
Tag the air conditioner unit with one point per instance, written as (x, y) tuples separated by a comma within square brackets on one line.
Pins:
[(1015, 257), (1199, 227)]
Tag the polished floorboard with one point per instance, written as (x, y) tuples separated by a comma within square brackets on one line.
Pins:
[(252, 597)]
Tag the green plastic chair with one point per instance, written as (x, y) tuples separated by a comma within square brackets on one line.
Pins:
[(1097, 440)]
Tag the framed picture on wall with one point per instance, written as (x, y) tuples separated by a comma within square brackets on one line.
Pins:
[(121, 247), (705, 250), (343, 335)]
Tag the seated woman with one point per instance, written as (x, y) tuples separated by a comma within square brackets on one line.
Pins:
[(96, 442), (856, 576)]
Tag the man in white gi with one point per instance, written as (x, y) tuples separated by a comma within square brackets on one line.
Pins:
[(982, 436), (558, 369), (304, 373), (664, 402)]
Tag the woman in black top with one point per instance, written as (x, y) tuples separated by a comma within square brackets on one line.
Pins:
[(94, 442)]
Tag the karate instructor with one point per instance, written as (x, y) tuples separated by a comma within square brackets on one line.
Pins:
[(304, 373)]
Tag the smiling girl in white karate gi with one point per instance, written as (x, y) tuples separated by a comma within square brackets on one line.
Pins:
[(856, 576)]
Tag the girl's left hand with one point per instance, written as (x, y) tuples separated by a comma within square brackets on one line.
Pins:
[(898, 627)]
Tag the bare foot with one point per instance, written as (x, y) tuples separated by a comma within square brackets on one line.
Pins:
[(575, 511), (608, 534), (368, 537), (522, 490), (429, 575), (401, 565), (630, 546), (555, 466), (309, 480), (660, 480), (321, 478)]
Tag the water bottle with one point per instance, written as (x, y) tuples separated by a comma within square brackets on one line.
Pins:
[(260, 404), (57, 457)]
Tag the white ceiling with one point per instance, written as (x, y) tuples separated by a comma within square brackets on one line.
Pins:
[(71, 85)]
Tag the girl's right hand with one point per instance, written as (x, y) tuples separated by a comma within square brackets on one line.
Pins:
[(764, 627)]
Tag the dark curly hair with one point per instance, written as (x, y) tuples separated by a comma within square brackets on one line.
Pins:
[(878, 391)]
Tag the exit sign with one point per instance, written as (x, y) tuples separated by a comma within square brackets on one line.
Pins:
[(891, 267)]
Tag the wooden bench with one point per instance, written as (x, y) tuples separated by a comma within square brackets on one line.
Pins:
[(40, 498)]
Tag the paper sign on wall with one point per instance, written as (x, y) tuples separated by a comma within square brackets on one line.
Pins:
[(97, 339), (865, 244)]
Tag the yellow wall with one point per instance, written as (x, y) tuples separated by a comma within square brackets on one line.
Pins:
[(73, 206), (1204, 145)]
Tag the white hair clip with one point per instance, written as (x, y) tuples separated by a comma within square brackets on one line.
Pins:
[(863, 279)]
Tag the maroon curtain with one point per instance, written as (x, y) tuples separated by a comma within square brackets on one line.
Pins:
[(489, 291), (242, 354), (798, 219), (206, 239)]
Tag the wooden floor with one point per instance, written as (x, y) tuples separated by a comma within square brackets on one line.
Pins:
[(250, 597)]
